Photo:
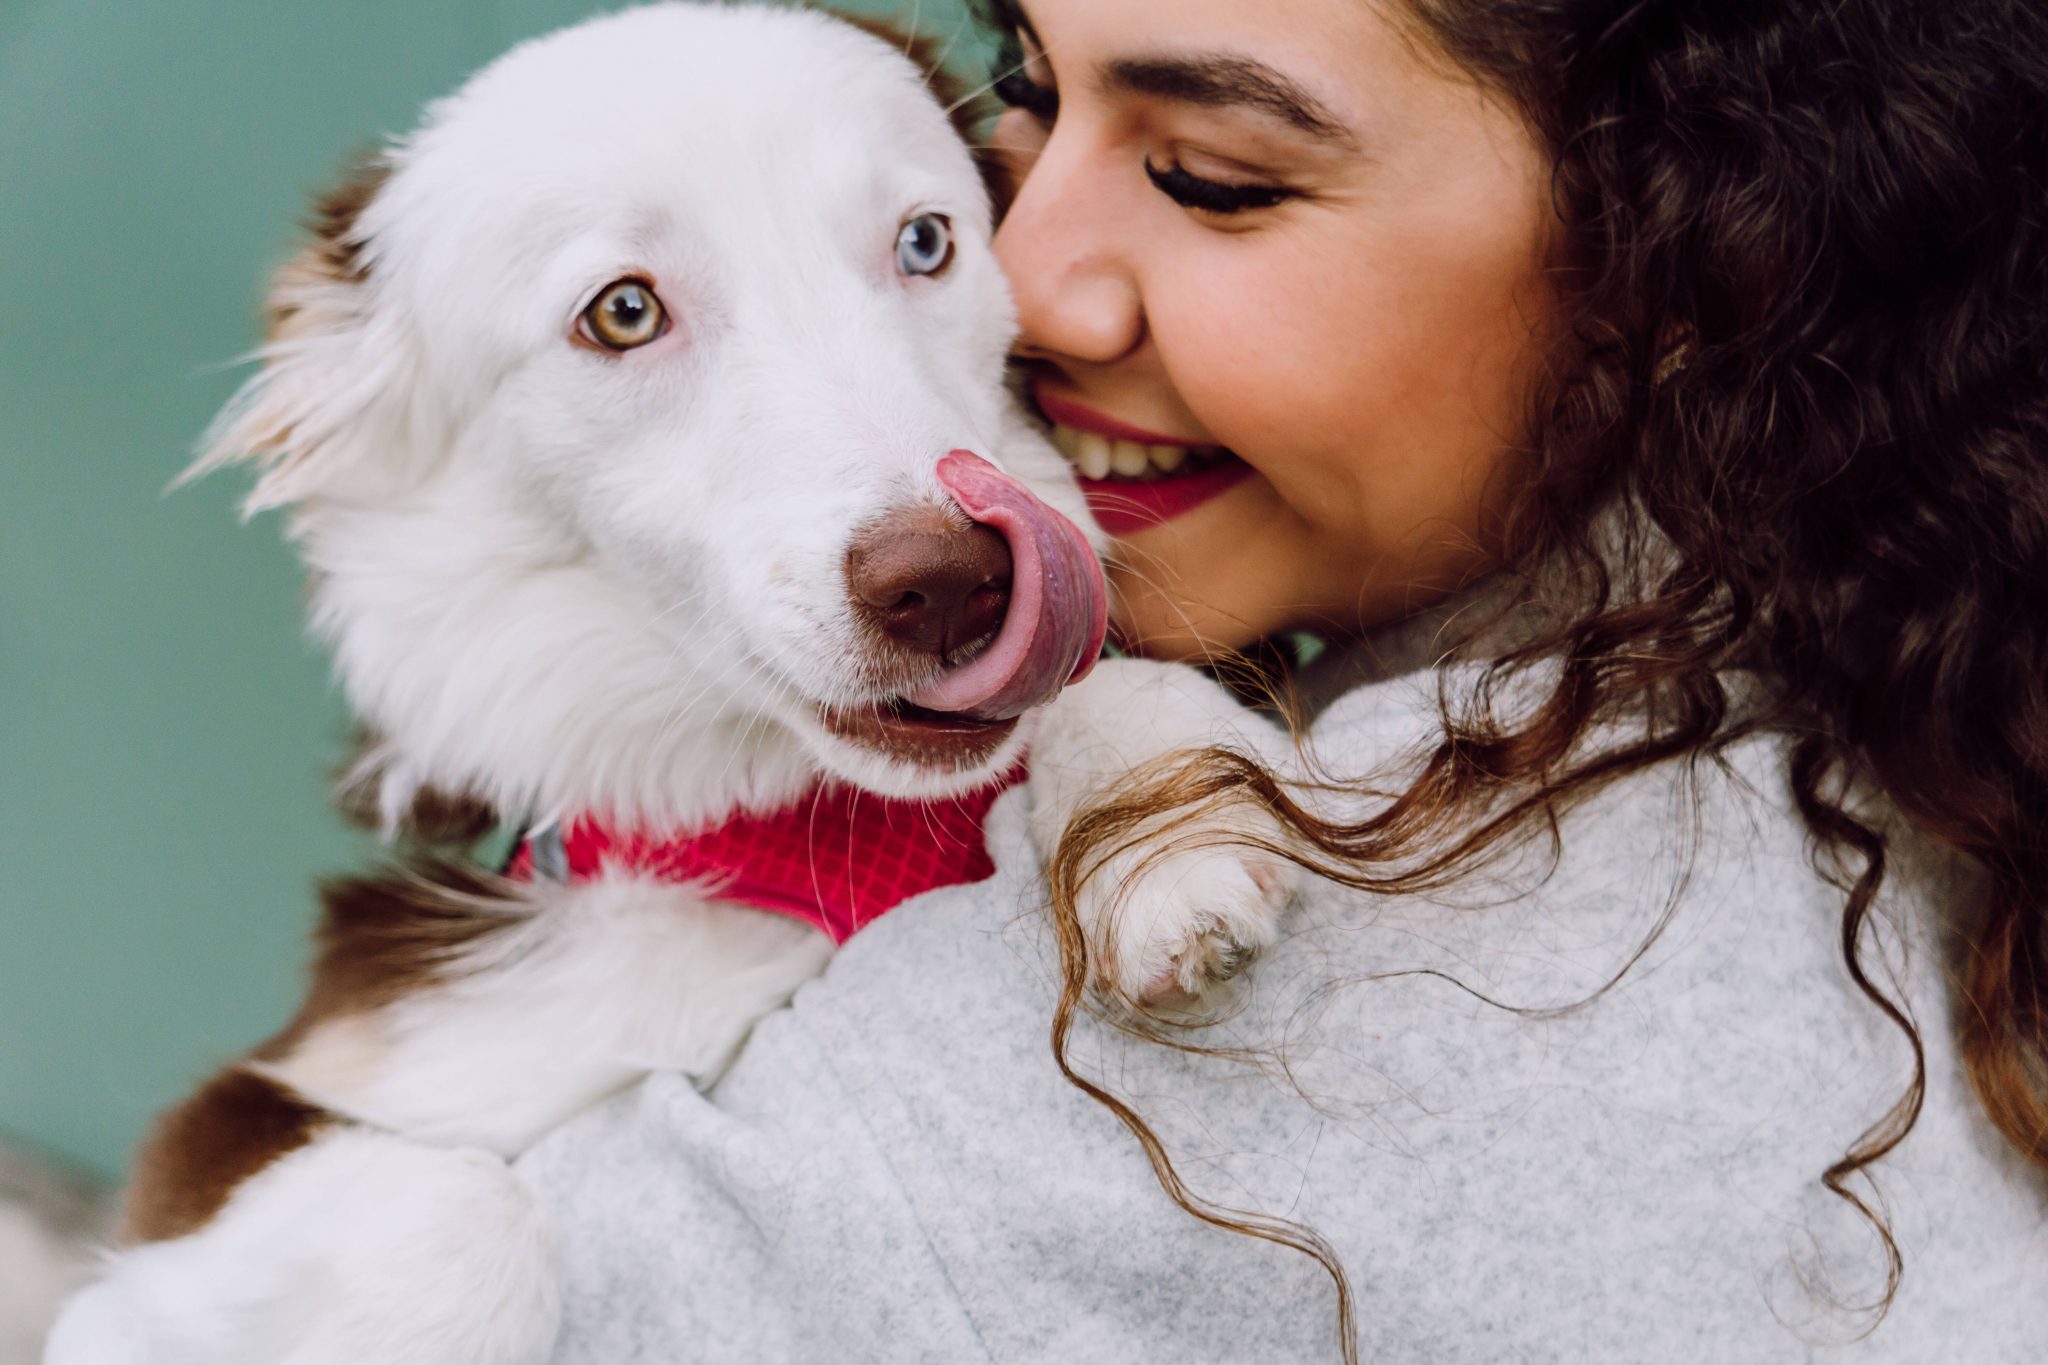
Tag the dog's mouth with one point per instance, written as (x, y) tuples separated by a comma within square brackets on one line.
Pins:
[(944, 741), (1036, 604), (1058, 609)]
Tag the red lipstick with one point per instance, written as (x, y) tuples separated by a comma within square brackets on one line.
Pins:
[(1069, 413), (1122, 506)]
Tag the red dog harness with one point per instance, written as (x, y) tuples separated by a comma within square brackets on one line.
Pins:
[(837, 859)]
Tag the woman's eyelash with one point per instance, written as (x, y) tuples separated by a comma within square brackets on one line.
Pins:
[(1018, 90), (1213, 196)]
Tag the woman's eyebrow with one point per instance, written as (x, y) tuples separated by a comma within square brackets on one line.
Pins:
[(1218, 82)]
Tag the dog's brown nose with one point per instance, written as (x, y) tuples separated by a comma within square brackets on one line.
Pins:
[(928, 582)]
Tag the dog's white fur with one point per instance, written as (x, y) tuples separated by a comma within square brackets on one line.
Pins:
[(567, 582), (49, 1219)]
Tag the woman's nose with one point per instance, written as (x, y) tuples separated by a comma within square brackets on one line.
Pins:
[(1059, 245)]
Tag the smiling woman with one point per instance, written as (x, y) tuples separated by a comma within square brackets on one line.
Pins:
[(1299, 244), (1657, 391), (1555, 262)]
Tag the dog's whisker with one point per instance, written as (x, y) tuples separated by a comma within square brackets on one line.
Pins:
[(688, 600), (684, 690), (687, 697), (703, 657), (760, 720), (758, 635), (1187, 622), (977, 92), (993, 81), (960, 30)]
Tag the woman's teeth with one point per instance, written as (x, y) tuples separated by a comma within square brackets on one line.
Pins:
[(1098, 457)]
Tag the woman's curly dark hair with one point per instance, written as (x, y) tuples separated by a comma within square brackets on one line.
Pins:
[(1805, 277), (1837, 216)]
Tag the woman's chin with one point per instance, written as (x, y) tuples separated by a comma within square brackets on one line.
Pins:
[(1158, 625), (1209, 581)]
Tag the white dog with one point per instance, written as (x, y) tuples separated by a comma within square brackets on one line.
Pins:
[(642, 423)]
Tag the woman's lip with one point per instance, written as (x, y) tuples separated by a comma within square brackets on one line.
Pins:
[(1123, 506), (1069, 413)]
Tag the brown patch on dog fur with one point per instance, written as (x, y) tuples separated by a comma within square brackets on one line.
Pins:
[(336, 251), (439, 817), (337, 212), (388, 936), (434, 818), (381, 938), (384, 937), (312, 293), (970, 108), (334, 256), (200, 1152)]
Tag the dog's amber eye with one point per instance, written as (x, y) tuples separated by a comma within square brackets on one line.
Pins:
[(625, 315), (925, 245)]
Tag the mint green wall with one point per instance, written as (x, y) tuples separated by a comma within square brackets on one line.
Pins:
[(165, 732)]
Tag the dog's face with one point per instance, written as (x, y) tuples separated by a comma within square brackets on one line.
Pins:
[(693, 307)]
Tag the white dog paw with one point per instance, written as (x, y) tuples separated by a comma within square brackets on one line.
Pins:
[(1169, 926)]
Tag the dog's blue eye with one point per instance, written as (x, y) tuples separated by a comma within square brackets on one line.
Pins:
[(925, 246)]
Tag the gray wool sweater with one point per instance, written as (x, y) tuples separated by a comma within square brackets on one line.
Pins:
[(894, 1171)]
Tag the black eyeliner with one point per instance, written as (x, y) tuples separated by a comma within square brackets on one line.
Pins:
[(1016, 89), (1213, 196)]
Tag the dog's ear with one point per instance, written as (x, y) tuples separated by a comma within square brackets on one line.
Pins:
[(330, 394), (971, 108)]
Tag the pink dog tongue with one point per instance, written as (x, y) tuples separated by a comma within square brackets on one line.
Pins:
[(1059, 608)]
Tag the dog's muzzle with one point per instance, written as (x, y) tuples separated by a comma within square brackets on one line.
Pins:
[(1018, 571)]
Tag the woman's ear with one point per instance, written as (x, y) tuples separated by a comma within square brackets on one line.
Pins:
[(330, 404)]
